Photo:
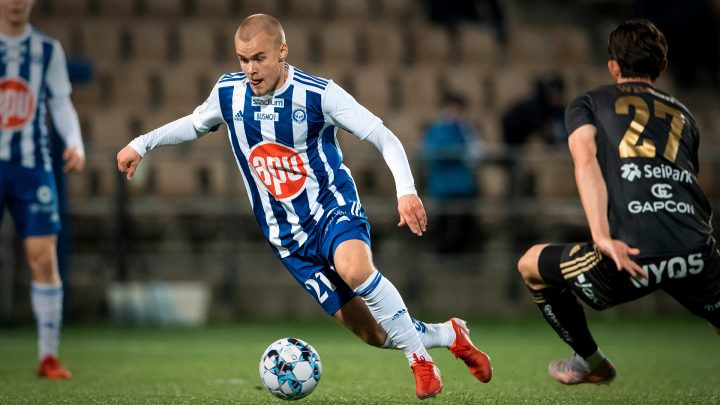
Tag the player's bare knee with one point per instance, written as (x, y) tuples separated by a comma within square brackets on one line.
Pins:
[(528, 262), (41, 261), (528, 268), (355, 275)]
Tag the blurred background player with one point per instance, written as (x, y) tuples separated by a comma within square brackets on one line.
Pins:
[(282, 124), (539, 113), (33, 78), (635, 151), (451, 149)]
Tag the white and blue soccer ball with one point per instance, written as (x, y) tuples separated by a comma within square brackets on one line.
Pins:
[(290, 368)]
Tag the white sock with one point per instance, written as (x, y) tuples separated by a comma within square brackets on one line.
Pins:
[(435, 334), (47, 302), (388, 309)]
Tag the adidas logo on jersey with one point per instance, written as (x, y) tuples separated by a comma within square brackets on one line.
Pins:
[(238, 116), (630, 171)]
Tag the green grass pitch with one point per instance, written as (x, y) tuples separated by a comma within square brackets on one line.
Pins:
[(670, 361)]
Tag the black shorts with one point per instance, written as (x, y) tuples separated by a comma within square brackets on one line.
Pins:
[(693, 279)]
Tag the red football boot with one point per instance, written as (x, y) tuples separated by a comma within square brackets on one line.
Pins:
[(51, 368), (462, 348), (427, 378)]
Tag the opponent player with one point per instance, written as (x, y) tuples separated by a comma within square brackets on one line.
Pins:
[(282, 125), (34, 78), (635, 151)]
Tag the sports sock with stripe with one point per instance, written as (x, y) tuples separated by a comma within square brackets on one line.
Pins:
[(387, 307), (47, 302), (435, 334)]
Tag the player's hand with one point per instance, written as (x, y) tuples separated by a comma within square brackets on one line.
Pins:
[(620, 253), (412, 214), (74, 159), (128, 160)]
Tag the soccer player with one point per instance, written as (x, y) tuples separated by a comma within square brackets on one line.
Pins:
[(282, 125), (33, 79), (635, 150)]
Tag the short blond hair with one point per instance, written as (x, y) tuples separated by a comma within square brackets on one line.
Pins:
[(257, 23)]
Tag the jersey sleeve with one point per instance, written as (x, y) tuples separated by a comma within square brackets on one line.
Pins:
[(57, 80), (578, 113), (207, 117), (345, 112)]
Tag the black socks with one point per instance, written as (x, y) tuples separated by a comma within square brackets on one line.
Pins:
[(563, 312)]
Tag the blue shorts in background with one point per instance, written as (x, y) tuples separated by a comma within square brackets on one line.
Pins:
[(31, 197)]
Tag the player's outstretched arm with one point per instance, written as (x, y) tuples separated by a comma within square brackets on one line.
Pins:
[(128, 160), (412, 213), (178, 131), (593, 194)]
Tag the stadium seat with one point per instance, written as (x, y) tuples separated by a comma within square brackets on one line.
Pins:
[(470, 81), (339, 45), (111, 128), (529, 45), (385, 45), (395, 11), (204, 42), (570, 46), (136, 85), (165, 9), (301, 51), (553, 170), (150, 41), (115, 9), (373, 89), (409, 127), (185, 87), (213, 9), (511, 84), (260, 6), (68, 9), (101, 41), (477, 45), (351, 10), (430, 45), (56, 28), (419, 89), (308, 10)]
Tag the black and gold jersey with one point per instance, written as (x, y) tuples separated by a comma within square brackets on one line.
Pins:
[(647, 147)]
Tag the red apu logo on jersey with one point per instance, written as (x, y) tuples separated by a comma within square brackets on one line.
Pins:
[(16, 103), (280, 169)]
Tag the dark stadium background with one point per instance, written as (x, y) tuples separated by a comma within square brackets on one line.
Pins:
[(186, 218)]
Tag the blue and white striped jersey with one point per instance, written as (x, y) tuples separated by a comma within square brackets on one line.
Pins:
[(286, 148), (32, 70)]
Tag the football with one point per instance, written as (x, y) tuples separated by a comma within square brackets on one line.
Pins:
[(290, 368)]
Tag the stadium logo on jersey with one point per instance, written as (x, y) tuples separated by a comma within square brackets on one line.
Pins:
[(661, 190), (281, 170), (299, 116), (262, 101), (238, 116), (17, 104), (630, 171)]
